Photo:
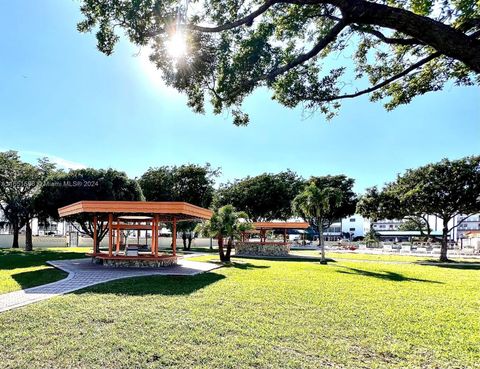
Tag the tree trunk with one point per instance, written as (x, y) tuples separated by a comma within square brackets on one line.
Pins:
[(323, 260), (444, 249), (229, 249), (372, 232), (220, 249), (184, 238), (28, 237), (102, 231), (97, 246), (189, 241), (15, 235)]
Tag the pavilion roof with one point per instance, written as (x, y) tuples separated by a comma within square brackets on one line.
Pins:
[(280, 225), (166, 209)]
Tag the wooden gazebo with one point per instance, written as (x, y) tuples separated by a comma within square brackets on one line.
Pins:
[(264, 248), (135, 215), (263, 227)]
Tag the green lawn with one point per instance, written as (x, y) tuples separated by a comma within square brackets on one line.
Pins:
[(258, 314), (378, 257), (19, 269), (359, 256)]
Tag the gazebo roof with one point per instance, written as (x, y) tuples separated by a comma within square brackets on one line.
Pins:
[(280, 225), (166, 209)]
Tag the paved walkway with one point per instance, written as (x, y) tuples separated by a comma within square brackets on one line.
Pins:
[(83, 273)]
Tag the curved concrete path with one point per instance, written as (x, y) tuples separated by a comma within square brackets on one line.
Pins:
[(83, 273)]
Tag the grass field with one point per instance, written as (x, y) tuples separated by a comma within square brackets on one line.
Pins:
[(19, 269), (258, 314), (359, 256), (378, 257)]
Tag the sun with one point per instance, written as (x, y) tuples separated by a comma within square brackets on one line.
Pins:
[(177, 45)]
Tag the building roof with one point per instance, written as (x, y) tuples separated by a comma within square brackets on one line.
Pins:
[(166, 209), (407, 233), (281, 225), (472, 234)]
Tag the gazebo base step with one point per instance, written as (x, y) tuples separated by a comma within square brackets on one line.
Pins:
[(136, 261), (262, 249)]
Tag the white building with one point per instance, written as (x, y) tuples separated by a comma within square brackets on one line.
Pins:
[(388, 224), (469, 224), (354, 226), (349, 227), (358, 226), (48, 228)]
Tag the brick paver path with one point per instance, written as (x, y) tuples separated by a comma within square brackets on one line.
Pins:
[(83, 273)]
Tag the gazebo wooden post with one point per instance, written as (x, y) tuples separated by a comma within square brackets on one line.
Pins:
[(138, 234), (174, 236), (110, 234), (117, 248), (153, 235), (156, 235), (285, 235), (94, 234)]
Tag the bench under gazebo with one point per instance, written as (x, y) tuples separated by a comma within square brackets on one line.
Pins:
[(135, 215)]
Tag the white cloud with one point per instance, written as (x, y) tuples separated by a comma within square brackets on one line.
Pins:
[(32, 156), (64, 163)]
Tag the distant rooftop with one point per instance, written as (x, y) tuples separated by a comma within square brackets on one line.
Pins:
[(407, 233)]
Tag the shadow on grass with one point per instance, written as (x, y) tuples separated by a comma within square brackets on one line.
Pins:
[(466, 265), (205, 250), (385, 275), (192, 250), (287, 258), (241, 265), (155, 285), (13, 259), (38, 277)]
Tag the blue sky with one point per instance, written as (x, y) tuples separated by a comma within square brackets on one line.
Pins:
[(60, 97)]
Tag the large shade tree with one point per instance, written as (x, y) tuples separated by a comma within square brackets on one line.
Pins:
[(446, 189), (86, 184), (264, 197), (371, 205), (395, 50), (378, 204), (190, 183), (324, 201), (20, 183), (44, 171)]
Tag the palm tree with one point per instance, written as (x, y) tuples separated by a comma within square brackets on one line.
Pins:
[(313, 204), (227, 223)]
